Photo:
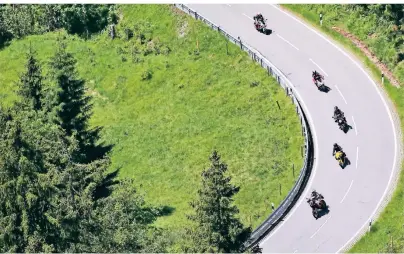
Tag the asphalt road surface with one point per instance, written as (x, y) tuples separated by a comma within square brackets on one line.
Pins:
[(353, 193)]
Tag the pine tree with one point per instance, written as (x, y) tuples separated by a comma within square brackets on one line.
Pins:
[(217, 227), (72, 106), (31, 83), (124, 220), (24, 186)]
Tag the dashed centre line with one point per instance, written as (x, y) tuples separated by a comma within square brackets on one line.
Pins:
[(341, 94), (318, 67), (356, 129), (342, 200), (248, 16), (320, 227), (287, 41)]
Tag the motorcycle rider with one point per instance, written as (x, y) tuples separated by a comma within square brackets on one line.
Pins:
[(339, 154), (336, 148), (316, 76), (338, 114), (314, 194), (259, 17)]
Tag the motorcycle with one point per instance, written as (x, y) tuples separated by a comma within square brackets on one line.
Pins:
[(340, 156), (341, 121), (260, 24), (317, 204), (319, 83)]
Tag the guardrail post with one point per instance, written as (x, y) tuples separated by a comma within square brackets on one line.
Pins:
[(293, 168), (241, 44), (321, 19), (261, 61), (382, 78), (196, 16), (273, 207), (268, 70)]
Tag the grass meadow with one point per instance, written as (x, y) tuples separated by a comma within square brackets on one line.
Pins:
[(166, 104)]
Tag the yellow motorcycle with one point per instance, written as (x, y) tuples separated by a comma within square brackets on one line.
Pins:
[(340, 157)]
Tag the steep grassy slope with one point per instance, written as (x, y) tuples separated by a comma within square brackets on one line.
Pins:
[(168, 102)]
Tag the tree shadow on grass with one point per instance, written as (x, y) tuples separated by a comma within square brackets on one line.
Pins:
[(165, 210), (104, 190)]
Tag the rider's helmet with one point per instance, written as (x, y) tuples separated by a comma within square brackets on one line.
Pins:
[(335, 108), (335, 145)]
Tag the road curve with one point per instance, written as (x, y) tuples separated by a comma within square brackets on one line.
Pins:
[(354, 193)]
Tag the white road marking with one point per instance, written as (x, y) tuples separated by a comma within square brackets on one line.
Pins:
[(228, 5), (341, 94), (318, 67), (286, 41), (248, 17), (357, 156), (356, 129), (388, 112), (320, 228), (295, 251), (342, 200)]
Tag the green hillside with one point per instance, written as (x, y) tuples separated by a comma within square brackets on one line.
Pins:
[(170, 95)]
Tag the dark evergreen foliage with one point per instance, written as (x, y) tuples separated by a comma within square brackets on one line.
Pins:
[(72, 106), (31, 83), (19, 20), (218, 229)]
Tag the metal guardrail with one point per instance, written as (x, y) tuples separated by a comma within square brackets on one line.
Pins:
[(276, 216)]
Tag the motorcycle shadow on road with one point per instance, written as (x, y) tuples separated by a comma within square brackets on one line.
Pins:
[(323, 88), (266, 31), (323, 212), (346, 128), (346, 163)]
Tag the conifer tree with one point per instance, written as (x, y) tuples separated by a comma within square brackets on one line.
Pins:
[(72, 106), (24, 185), (47, 198), (217, 227), (30, 85)]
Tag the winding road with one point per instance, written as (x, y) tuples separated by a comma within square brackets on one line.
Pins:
[(354, 193)]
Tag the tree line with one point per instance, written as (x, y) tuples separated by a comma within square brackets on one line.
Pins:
[(18, 20), (57, 193)]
